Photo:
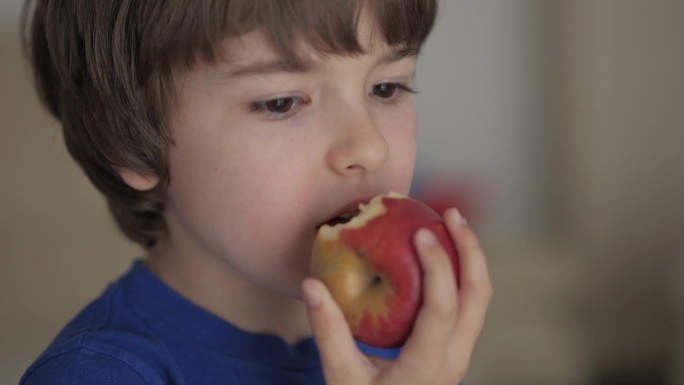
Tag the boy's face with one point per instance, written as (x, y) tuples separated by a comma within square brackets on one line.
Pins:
[(264, 155)]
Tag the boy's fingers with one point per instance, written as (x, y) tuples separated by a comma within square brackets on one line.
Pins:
[(340, 357), (435, 322), (475, 284)]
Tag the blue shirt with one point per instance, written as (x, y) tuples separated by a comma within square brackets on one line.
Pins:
[(139, 331)]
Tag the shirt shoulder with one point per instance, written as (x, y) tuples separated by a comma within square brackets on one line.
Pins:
[(105, 357), (106, 343), (85, 366)]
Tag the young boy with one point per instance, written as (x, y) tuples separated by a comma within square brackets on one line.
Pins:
[(223, 133)]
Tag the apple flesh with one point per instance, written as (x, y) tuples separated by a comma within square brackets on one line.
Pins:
[(371, 267)]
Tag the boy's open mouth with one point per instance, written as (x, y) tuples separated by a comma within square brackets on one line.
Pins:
[(342, 218), (346, 213)]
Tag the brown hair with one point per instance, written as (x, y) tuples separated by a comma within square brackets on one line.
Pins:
[(104, 69)]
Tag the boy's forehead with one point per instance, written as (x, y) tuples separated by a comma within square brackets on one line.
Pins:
[(254, 52), (251, 47)]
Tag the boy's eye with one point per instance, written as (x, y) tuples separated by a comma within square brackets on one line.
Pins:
[(278, 108), (385, 90), (389, 90)]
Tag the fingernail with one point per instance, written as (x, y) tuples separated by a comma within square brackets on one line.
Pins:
[(455, 216), (426, 238), (311, 294)]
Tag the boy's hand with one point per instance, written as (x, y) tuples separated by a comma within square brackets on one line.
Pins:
[(446, 329)]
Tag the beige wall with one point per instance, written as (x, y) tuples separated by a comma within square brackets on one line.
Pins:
[(620, 162)]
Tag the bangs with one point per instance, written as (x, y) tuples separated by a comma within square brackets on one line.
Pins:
[(192, 30)]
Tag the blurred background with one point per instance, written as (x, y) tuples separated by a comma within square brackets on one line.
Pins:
[(557, 127)]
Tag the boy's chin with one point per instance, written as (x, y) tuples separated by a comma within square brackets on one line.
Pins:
[(294, 293), (290, 288)]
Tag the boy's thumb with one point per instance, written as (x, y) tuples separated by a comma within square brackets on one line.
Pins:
[(339, 354)]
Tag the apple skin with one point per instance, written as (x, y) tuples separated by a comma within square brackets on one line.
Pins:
[(372, 269)]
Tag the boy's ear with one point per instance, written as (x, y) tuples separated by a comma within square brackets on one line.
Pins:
[(140, 182)]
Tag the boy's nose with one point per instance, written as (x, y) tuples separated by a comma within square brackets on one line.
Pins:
[(359, 146)]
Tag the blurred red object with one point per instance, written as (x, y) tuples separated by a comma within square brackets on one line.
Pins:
[(442, 193)]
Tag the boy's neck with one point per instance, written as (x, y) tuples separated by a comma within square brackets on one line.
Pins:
[(218, 289)]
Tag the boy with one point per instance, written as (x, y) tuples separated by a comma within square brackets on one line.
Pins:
[(223, 134)]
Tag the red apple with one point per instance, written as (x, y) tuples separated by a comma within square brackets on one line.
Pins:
[(371, 267)]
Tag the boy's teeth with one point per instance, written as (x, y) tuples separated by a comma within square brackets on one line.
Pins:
[(349, 215), (343, 218)]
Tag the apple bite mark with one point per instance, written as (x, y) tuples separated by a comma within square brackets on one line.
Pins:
[(358, 219)]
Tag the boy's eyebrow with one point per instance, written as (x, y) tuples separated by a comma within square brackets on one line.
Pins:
[(260, 68), (396, 54)]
